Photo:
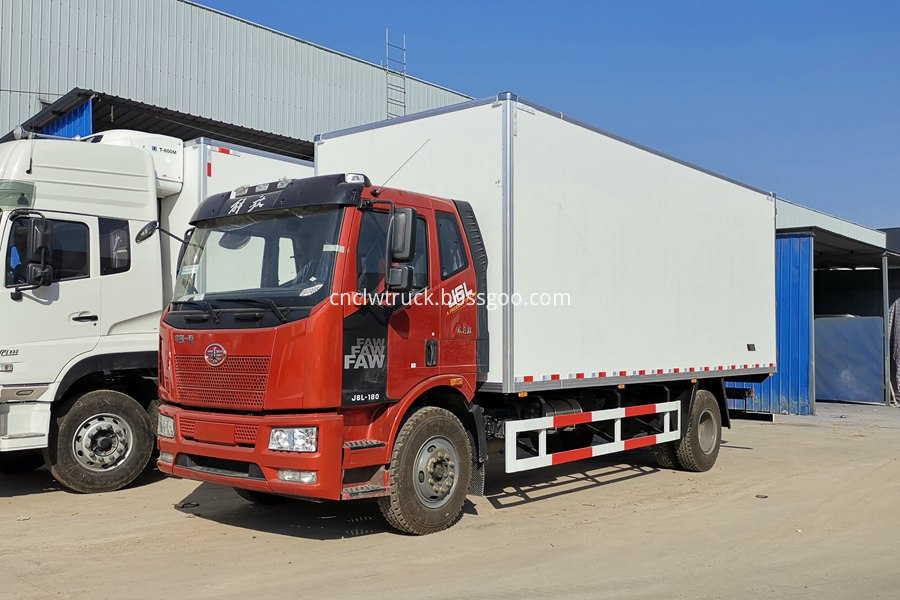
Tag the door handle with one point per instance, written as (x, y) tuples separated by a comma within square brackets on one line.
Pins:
[(431, 353), (84, 318)]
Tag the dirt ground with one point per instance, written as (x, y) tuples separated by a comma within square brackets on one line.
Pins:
[(806, 507)]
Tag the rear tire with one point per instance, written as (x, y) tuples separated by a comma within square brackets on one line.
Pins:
[(99, 442), (21, 461), (260, 497), (430, 473), (699, 447), (666, 456)]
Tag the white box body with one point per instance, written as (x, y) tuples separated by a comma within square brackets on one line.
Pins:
[(669, 270)]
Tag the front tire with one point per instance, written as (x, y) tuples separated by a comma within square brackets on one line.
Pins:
[(430, 473), (100, 442), (21, 461), (699, 447)]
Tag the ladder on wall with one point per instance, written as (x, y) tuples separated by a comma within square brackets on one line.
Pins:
[(395, 76)]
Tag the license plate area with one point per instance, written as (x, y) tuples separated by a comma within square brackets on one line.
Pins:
[(214, 433)]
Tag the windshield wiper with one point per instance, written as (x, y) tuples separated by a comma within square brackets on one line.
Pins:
[(267, 302), (204, 305)]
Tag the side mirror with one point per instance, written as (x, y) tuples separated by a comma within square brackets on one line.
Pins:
[(146, 231), (38, 275), (399, 278), (40, 239), (403, 234)]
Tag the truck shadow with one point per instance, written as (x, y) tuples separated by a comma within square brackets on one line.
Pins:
[(42, 482), (505, 491), (296, 518)]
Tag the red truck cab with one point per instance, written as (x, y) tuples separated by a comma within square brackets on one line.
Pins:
[(289, 366)]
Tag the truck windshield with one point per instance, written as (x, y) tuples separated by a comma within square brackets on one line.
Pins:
[(16, 194), (283, 256)]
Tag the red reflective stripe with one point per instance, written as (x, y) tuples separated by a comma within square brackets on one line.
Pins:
[(573, 419), (675, 370), (209, 169), (528, 379), (635, 411), (640, 442), (706, 368), (622, 373), (691, 369), (642, 372), (601, 374), (554, 376), (569, 455), (659, 371), (719, 367), (579, 375)]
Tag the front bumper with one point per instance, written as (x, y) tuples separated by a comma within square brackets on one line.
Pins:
[(233, 450)]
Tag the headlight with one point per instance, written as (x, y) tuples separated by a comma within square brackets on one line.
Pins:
[(165, 426), (294, 439)]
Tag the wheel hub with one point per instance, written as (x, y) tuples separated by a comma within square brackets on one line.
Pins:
[(706, 432), (102, 442), (436, 464)]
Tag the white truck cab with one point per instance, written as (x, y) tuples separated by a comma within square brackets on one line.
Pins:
[(81, 302)]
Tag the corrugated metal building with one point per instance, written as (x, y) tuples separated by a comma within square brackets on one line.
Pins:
[(184, 57)]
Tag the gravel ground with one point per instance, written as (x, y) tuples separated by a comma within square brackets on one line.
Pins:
[(805, 507)]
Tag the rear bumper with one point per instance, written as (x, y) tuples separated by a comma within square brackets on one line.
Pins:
[(233, 450)]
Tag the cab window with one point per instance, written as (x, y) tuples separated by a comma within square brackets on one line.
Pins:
[(453, 253), (370, 247), (70, 258)]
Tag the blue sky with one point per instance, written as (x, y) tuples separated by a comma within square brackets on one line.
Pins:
[(799, 97)]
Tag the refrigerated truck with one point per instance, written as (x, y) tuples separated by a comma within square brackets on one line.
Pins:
[(82, 300), (380, 358)]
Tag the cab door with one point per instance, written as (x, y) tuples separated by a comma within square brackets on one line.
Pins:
[(414, 329), (51, 325), (456, 286), (389, 347)]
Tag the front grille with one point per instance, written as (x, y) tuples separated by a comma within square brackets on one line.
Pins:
[(239, 383), (244, 435)]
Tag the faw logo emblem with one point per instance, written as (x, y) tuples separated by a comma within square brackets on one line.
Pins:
[(367, 353), (215, 355)]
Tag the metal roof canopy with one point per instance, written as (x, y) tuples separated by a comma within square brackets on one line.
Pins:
[(834, 251), (840, 244), (113, 112)]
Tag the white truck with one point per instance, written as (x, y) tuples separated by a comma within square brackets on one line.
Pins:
[(80, 316)]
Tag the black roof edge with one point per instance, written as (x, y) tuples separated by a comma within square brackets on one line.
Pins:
[(330, 189), (115, 112)]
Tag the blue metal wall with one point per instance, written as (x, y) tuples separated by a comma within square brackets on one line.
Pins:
[(78, 121), (790, 390)]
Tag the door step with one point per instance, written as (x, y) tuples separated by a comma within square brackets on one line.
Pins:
[(363, 491), (363, 444)]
